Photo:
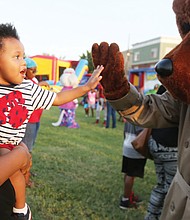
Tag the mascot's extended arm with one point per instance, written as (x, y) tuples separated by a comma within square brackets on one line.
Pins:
[(114, 80)]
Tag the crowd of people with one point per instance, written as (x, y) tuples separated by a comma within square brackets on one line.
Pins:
[(95, 101)]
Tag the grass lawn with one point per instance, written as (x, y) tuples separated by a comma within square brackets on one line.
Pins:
[(79, 172)]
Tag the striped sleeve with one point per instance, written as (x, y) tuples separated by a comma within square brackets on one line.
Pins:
[(42, 98)]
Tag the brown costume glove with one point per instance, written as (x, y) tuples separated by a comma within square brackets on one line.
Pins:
[(114, 81)]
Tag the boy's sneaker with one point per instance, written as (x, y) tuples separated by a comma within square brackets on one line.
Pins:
[(21, 216), (127, 204)]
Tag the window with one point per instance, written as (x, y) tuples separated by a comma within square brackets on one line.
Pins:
[(154, 53), (137, 56)]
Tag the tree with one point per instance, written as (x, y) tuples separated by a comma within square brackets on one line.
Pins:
[(88, 56)]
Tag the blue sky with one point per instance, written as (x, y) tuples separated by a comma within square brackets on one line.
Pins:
[(68, 28)]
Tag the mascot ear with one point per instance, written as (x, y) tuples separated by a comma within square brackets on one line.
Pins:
[(181, 9)]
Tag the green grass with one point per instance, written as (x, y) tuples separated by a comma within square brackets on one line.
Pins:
[(79, 172)]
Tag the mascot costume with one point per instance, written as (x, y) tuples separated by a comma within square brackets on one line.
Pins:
[(171, 109), (68, 80)]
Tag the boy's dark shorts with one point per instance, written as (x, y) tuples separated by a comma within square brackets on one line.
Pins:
[(133, 167)]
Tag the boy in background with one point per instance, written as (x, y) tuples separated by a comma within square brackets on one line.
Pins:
[(133, 165)]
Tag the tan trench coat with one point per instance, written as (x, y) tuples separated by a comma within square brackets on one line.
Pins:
[(158, 112)]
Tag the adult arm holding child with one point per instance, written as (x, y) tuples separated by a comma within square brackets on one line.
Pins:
[(17, 159)]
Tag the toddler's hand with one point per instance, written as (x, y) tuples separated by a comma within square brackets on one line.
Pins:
[(95, 78)]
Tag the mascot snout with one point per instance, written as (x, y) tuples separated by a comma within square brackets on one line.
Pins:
[(164, 67)]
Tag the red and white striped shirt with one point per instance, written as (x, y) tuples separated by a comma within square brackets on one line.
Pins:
[(16, 105)]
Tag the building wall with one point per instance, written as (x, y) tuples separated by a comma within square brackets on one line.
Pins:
[(148, 53), (50, 67), (141, 59)]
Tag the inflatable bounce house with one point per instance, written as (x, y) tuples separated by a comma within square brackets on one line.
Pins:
[(144, 79), (51, 68)]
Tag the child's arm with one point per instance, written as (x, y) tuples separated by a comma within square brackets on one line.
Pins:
[(17, 159), (69, 95)]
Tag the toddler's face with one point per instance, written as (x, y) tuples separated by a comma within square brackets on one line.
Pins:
[(12, 64)]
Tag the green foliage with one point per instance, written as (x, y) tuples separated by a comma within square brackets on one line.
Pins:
[(79, 172), (88, 57)]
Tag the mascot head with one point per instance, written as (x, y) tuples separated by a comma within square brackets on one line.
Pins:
[(174, 70), (69, 78)]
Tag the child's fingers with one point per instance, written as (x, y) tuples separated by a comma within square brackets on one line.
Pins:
[(98, 70)]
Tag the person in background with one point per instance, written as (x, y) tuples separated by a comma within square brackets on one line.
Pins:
[(163, 148), (110, 113), (133, 165), (101, 104), (69, 80), (92, 101), (85, 105), (34, 120)]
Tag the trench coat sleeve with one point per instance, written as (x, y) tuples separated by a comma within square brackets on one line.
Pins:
[(156, 111)]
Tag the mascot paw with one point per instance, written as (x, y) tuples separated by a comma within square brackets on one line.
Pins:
[(114, 81)]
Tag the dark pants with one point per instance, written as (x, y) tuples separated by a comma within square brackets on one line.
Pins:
[(7, 200), (110, 113), (165, 160)]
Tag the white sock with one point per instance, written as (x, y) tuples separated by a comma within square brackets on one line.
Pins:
[(124, 199), (23, 210)]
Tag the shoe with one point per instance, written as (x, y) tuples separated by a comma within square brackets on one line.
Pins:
[(127, 204), (135, 198), (97, 121), (21, 216)]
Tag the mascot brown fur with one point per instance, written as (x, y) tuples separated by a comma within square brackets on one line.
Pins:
[(168, 110), (114, 80)]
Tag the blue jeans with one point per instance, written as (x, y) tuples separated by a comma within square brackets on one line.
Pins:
[(31, 134), (110, 113)]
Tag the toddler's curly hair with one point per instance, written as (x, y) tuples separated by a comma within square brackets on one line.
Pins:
[(7, 31)]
